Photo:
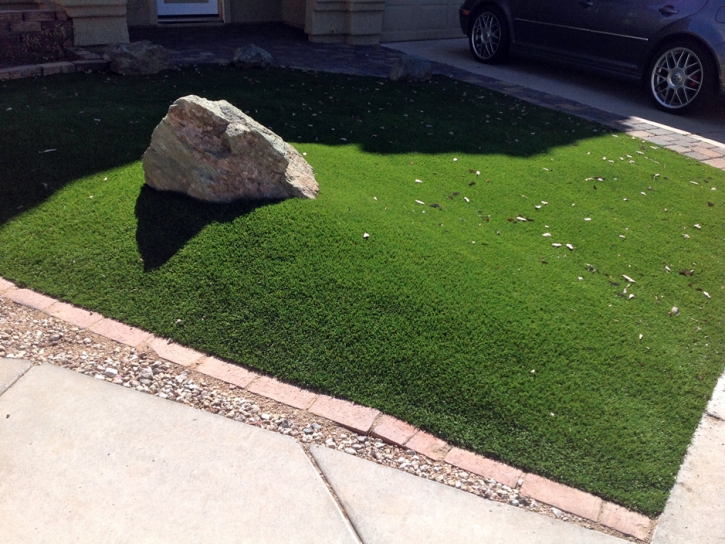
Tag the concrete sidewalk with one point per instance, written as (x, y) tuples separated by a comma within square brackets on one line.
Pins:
[(82, 460)]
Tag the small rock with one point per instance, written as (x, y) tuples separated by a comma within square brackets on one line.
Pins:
[(146, 374), (137, 58), (110, 372), (308, 430), (251, 56), (316, 426), (411, 68), (556, 512)]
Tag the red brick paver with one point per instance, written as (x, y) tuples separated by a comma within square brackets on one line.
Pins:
[(174, 352), (712, 153), (353, 416), (567, 498), (73, 315), (5, 285), (428, 445), (717, 163), (131, 336), (624, 521), (227, 372), (26, 297), (282, 392), (393, 430), (488, 468)]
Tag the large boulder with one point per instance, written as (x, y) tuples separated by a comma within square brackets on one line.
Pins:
[(214, 152), (411, 68), (251, 56), (137, 58)]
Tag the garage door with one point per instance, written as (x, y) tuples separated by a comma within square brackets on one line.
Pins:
[(420, 20)]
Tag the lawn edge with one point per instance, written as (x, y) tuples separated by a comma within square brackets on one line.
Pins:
[(357, 418)]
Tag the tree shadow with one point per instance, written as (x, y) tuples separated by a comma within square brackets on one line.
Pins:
[(106, 121), (166, 221)]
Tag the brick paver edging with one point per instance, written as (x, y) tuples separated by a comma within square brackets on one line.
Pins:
[(360, 419), (89, 62), (695, 147)]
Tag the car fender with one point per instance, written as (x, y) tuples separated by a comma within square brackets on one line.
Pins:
[(704, 33)]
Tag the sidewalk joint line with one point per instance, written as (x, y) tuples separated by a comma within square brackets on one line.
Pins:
[(333, 493)]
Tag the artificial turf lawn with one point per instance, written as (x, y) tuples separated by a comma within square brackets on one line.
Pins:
[(456, 317)]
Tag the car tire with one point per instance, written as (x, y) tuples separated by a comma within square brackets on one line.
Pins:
[(680, 76), (488, 36)]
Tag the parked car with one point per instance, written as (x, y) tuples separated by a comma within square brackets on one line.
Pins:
[(676, 47)]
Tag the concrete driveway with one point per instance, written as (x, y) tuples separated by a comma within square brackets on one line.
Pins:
[(619, 97)]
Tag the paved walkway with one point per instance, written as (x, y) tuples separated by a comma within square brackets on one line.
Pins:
[(626, 99), (82, 460)]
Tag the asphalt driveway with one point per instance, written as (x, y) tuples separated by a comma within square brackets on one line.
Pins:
[(619, 97)]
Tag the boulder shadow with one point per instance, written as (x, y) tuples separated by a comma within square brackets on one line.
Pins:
[(166, 221)]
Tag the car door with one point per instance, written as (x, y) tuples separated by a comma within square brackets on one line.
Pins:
[(621, 29), (557, 27)]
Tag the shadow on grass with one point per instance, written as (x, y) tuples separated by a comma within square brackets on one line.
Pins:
[(106, 121), (167, 221)]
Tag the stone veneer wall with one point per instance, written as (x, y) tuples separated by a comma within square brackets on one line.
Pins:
[(34, 36)]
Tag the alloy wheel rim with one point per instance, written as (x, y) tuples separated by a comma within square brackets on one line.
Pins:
[(486, 35), (677, 78)]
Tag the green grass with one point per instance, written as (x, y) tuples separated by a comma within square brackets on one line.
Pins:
[(509, 346)]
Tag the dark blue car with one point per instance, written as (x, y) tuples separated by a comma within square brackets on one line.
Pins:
[(677, 47)]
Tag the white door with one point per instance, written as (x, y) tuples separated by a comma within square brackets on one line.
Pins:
[(187, 7)]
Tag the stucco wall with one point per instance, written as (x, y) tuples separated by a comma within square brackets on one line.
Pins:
[(141, 12), (293, 12), (255, 11), (420, 20)]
